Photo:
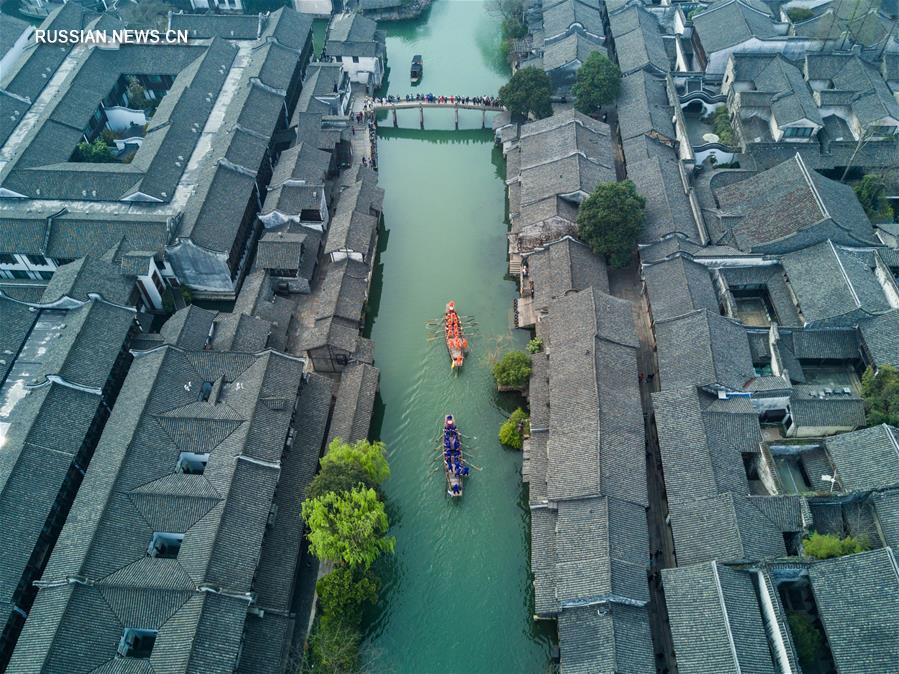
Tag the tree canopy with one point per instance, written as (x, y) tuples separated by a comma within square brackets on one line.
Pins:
[(369, 456), (598, 83), (513, 369), (338, 477), (528, 91), (348, 527), (343, 593), (881, 393), (610, 219)]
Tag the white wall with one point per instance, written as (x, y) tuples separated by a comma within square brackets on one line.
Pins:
[(10, 57), (358, 72)]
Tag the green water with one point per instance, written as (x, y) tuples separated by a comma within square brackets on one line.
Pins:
[(457, 595)]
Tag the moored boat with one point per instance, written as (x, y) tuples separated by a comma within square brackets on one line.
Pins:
[(417, 69), (453, 461), (456, 343)]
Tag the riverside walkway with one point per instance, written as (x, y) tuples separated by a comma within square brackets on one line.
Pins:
[(455, 103)]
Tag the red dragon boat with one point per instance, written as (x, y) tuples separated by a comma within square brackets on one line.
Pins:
[(456, 343)]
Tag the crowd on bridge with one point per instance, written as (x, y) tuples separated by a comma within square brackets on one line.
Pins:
[(486, 101)]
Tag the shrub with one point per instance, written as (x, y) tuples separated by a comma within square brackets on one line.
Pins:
[(799, 14), (610, 219), (513, 369), (806, 636), (348, 527), (528, 91), (723, 129), (598, 83), (881, 393), (825, 546), (97, 152), (535, 345), (370, 456), (514, 428)]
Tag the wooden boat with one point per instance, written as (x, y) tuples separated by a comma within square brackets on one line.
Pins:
[(453, 461), (417, 69), (456, 343)]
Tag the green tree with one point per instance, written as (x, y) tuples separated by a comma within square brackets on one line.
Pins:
[(535, 345), (343, 594), (338, 477), (348, 527), (807, 638), (598, 83), (513, 369), (370, 456), (512, 430), (881, 393), (610, 219), (869, 191), (825, 546), (799, 14), (97, 152), (528, 91)]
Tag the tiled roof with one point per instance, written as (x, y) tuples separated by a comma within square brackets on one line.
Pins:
[(727, 527), (733, 22), (677, 286), (857, 597), (831, 281), (702, 348), (605, 640), (562, 266), (638, 40), (868, 458), (595, 441), (281, 250), (133, 490), (774, 206), (881, 337), (702, 441), (716, 621), (643, 106), (355, 403)]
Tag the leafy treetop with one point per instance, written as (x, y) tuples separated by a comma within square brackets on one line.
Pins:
[(511, 432), (610, 219), (528, 91), (369, 456), (348, 527), (598, 83)]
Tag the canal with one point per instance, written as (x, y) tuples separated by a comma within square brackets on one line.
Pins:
[(457, 595)]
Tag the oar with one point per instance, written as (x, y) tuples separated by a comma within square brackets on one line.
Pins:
[(473, 466)]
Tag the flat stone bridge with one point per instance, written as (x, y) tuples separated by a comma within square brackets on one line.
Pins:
[(454, 105)]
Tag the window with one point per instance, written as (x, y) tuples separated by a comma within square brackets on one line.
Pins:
[(339, 59), (18, 273), (190, 463), (883, 130), (6, 258), (37, 260), (798, 132), (355, 59), (164, 545), (137, 642)]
